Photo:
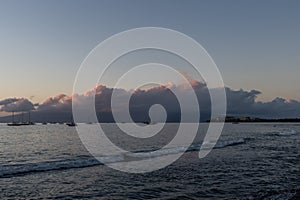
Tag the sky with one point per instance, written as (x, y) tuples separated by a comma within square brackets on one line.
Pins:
[(255, 44)]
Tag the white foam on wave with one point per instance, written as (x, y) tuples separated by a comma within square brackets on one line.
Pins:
[(157, 153), (287, 133), (175, 150), (11, 170), (222, 144)]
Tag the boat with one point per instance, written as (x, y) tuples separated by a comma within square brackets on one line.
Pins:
[(71, 124), (20, 123), (29, 120), (149, 122), (14, 124)]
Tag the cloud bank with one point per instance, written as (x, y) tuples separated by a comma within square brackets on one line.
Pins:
[(239, 103), (16, 105), (243, 103)]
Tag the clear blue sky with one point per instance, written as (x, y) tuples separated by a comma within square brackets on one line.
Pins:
[(256, 44)]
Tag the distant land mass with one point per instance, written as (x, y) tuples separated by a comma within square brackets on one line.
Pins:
[(62, 117), (240, 103), (106, 117), (231, 119)]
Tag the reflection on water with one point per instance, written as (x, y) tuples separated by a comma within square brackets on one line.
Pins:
[(249, 161)]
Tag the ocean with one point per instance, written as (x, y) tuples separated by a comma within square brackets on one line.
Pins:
[(249, 161)]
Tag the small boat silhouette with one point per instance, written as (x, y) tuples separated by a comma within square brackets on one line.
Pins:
[(71, 124), (13, 123)]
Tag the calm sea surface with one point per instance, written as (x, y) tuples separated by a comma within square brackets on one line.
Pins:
[(250, 161)]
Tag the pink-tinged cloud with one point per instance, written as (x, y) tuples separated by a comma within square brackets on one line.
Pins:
[(60, 102), (240, 102), (8, 101), (16, 105)]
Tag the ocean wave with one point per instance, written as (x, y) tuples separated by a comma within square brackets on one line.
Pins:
[(180, 149), (81, 162), (223, 144), (287, 133), (158, 153), (10, 170)]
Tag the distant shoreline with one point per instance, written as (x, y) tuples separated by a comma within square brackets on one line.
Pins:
[(55, 118), (255, 120), (227, 122)]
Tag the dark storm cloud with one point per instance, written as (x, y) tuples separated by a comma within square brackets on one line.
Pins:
[(239, 102), (278, 108), (244, 103), (140, 100), (16, 105), (8, 101), (60, 102)]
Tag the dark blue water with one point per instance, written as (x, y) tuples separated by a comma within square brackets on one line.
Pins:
[(250, 161)]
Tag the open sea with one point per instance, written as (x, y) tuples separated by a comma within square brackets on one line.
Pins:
[(250, 161)]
